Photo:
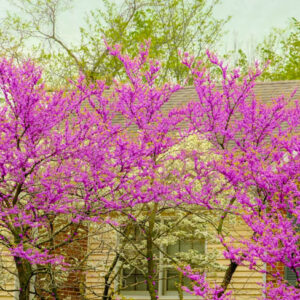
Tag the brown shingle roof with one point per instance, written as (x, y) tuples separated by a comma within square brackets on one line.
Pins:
[(264, 91)]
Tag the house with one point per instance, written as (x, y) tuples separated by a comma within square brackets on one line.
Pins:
[(245, 282)]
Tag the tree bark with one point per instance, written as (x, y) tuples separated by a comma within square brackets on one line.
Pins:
[(108, 283), (227, 278), (24, 270), (150, 260)]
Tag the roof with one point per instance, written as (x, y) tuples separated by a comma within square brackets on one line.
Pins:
[(264, 91)]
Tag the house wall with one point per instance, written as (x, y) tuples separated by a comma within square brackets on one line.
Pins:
[(6, 279), (101, 244), (244, 284), (71, 289)]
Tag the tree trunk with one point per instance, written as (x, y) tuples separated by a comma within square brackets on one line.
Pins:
[(108, 283), (24, 274), (179, 285), (150, 258), (227, 278)]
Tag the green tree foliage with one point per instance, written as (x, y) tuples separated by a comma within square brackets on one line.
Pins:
[(281, 48), (171, 25)]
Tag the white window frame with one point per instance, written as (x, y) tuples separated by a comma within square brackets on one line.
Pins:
[(162, 293)]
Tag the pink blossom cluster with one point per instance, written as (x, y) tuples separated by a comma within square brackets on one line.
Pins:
[(202, 288)]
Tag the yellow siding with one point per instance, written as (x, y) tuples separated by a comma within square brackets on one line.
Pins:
[(102, 242), (101, 246), (244, 283), (6, 279)]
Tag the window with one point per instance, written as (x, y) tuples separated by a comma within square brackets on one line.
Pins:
[(168, 277), (133, 280), (172, 276), (133, 275), (290, 276)]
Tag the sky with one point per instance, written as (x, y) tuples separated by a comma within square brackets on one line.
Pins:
[(251, 19)]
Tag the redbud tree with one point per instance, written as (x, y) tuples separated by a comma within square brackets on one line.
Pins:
[(253, 172), (60, 165), (258, 164), (33, 181), (66, 161)]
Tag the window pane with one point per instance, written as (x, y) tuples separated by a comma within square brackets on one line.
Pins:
[(185, 246), (199, 246), (128, 283), (290, 276), (142, 286), (173, 249), (172, 275), (133, 280), (171, 283)]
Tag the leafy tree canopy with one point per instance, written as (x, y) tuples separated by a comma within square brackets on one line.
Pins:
[(282, 49), (170, 24)]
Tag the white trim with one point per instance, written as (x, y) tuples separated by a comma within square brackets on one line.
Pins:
[(160, 275), (17, 287), (118, 277), (265, 279), (165, 297)]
